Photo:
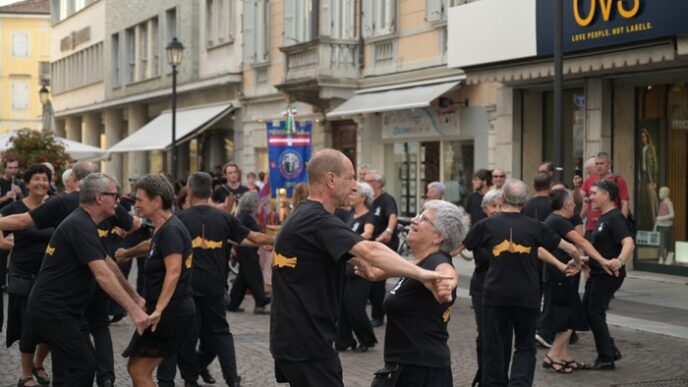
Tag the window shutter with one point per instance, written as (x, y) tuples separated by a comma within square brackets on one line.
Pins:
[(249, 26), (349, 19), (265, 39), (290, 23), (434, 10), (20, 95), (326, 18), (368, 17)]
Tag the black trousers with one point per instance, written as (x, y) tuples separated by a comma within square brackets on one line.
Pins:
[(416, 376), (210, 325), (310, 373), (250, 277), (71, 351), (96, 316), (353, 318), (478, 310), (599, 289), (377, 297), (498, 322), (544, 324)]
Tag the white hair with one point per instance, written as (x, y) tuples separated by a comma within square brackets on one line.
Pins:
[(449, 222), (66, 175)]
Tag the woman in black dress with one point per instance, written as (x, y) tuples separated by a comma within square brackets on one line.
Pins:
[(353, 318), (25, 262), (416, 350), (612, 238), (566, 309), (168, 277)]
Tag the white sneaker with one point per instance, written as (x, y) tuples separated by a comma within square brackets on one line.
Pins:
[(542, 341)]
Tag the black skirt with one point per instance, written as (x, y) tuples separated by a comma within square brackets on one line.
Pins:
[(566, 308), (172, 330)]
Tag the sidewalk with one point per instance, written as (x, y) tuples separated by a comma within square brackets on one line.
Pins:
[(647, 302)]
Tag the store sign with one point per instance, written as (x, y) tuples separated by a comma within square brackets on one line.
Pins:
[(598, 23), (419, 124)]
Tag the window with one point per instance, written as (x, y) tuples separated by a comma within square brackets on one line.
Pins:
[(256, 25), (437, 10), (155, 48), (116, 62), (342, 19), (79, 69), (298, 21), (20, 95), (44, 73), (143, 51), (171, 24), (62, 9), (130, 45), (219, 21), (379, 17), (20, 44)]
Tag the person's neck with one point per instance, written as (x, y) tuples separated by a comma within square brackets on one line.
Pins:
[(328, 204), (510, 208), (484, 189), (421, 253), (377, 194), (234, 185), (606, 207), (199, 201), (160, 217), (8, 178), (542, 194), (32, 201), (360, 209), (562, 213), (96, 215)]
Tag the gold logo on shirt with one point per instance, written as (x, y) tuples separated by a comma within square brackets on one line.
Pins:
[(202, 243), (446, 314), (280, 260), (510, 247), (188, 261), (103, 233), (50, 250)]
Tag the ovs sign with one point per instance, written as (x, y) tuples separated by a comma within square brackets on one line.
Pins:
[(606, 9)]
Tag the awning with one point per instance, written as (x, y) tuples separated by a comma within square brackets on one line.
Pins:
[(157, 134), (397, 99)]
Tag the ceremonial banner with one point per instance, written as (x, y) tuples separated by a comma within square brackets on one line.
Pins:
[(289, 149)]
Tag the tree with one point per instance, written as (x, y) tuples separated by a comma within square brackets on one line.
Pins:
[(33, 146)]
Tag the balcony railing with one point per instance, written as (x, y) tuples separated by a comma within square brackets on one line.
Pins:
[(322, 58)]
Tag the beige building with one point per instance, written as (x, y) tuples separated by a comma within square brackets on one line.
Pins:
[(24, 47), (625, 93), (375, 83)]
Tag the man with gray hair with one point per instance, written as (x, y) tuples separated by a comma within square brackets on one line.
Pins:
[(435, 191), (74, 262), (511, 296)]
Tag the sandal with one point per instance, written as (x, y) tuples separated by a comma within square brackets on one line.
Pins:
[(38, 372), (546, 364), (574, 365), (563, 368), (22, 382)]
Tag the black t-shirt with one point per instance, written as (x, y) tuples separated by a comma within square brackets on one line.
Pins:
[(29, 245), (209, 229), (358, 224), (247, 220), (171, 238), (610, 230), (561, 226), (55, 210), (65, 283), (481, 257), (416, 331), (343, 214), (474, 207), (6, 186), (223, 190), (305, 283), (383, 207), (512, 240), (538, 207), (111, 240)]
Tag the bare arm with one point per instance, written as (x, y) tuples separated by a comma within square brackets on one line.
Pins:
[(548, 258), (16, 222), (124, 283), (260, 238), (368, 229), (625, 209), (588, 248), (386, 235), (173, 270), (123, 255), (571, 250), (5, 243), (627, 247), (107, 280)]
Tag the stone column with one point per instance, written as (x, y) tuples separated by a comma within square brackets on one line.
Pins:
[(113, 134), (73, 128), (137, 162), (506, 138), (60, 127), (91, 128)]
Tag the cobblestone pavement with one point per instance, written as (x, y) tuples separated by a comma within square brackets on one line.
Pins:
[(646, 356)]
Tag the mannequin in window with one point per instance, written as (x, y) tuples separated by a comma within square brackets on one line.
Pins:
[(664, 223), (649, 171)]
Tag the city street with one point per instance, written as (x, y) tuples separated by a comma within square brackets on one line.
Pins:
[(646, 356)]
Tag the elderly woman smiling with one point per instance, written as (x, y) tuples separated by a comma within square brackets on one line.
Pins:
[(416, 350)]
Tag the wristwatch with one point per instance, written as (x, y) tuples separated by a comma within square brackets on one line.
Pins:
[(389, 230)]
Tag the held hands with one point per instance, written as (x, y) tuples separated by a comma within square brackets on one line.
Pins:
[(440, 284), (140, 319), (384, 237), (570, 269), (120, 255), (154, 319), (611, 267)]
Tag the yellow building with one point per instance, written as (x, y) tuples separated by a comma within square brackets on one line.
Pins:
[(24, 62)]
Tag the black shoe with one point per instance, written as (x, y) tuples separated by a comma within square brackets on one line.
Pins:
[(599, 366), (363, 348), (191, 383), (376, 322), (106, 383), (235, 383), (342, 348), (260, 310), (207, 377), (43, 381), (117, 317), (617, 354)]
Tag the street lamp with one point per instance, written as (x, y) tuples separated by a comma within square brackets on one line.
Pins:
[(175, 52), (47, 116)]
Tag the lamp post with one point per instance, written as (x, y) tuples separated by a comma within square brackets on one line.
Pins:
[(47, 116), (175, 51)]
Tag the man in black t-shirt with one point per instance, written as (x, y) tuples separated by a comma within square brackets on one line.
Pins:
[(383, 216), (74, 261), (210, 230), (511, 291), (11, 189), (539, 207), (482, 180), (232, 189), (306, 264)]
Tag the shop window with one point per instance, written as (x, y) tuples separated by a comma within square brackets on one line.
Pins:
[(457, 157), (661, 175), (573, 131)]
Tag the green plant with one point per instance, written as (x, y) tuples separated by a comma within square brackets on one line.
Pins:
[(33, 146)]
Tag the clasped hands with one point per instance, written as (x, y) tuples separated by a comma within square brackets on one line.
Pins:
[(610, 266)]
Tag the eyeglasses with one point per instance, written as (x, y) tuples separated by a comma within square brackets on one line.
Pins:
[(501, 176), (425, 218), (115, 195)]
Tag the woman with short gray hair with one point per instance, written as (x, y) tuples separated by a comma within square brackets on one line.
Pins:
[(250, 275), (353, 318)]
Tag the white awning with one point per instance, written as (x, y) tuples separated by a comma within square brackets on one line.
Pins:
[(157, 134), (76, 150), (397, 99)]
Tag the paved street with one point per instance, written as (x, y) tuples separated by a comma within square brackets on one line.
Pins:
[(647, 356)]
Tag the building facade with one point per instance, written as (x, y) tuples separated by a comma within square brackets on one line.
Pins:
[(24, 63), (625, 93)]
